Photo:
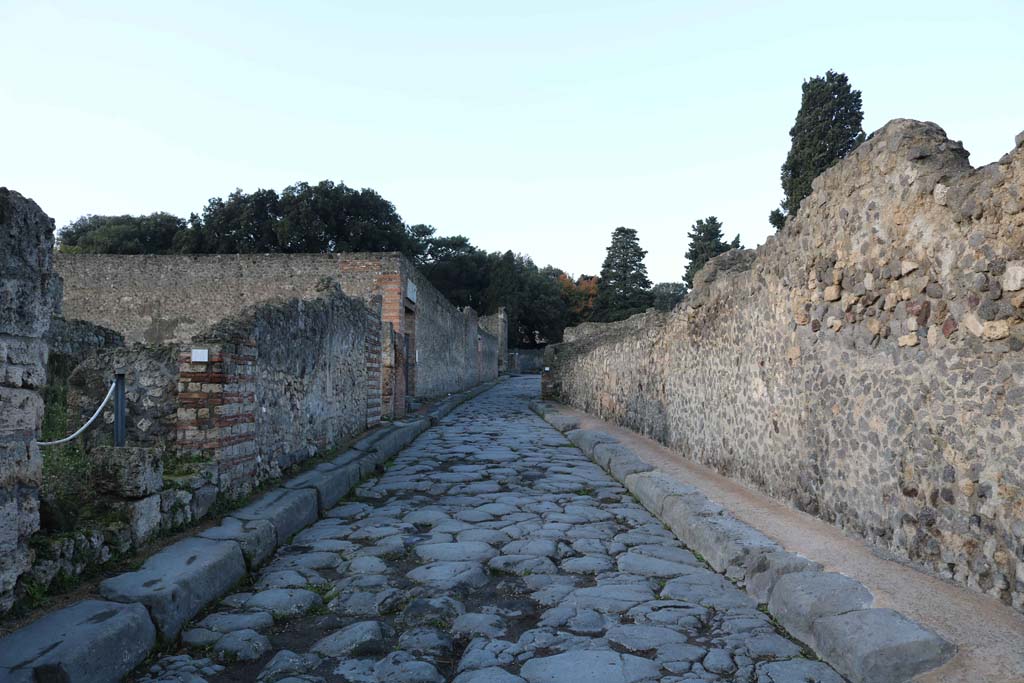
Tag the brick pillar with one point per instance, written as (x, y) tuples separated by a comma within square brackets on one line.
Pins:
[(374, 388), (217, 412), (29, 295)]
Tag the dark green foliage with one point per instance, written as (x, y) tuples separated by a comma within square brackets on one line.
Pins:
[(827, 128), (668, 294), (152, 234), (624, 289), (331, 217), (532, 297), (324, 218), (705, 243)]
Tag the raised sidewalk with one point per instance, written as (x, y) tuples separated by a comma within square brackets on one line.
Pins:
[(860, 612), (102, 639)]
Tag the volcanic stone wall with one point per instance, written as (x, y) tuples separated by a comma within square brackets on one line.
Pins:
[(865, 364), (160, 299), (298, 382), (29, 293)]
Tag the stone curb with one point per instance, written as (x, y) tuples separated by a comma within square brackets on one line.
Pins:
[(101, 641), (829, 612)]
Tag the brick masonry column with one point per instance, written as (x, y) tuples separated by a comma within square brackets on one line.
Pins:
[(374, 388), (217, 412), (29, 295)]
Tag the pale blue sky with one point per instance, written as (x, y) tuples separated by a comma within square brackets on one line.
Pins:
[(531, 126)]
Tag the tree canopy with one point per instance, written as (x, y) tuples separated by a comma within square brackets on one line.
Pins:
[(152, 234), (705, 243), (827, 128), (624, 288), (332, 217)]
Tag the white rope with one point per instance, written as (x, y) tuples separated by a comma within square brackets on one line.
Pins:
[(86, 425)]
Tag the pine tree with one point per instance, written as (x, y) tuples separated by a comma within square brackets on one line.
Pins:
[(705, 243), (624, 288), (827, 128)]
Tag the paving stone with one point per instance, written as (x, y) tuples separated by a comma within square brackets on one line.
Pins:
[(244, 645), (361, 639), (476, 624), (403, 667), (284, 602), (332, 483), (588, 666), (491, 674), (179, 581), (88, 641), (764, 570), (796, 671), (468, 551), (257, 538), (449, 575), (425, 641), (801, 598), (287, 663), (878, 645), (288, 510), (225, 622)]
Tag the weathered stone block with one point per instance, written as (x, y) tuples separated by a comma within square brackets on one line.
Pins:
[(651, 488), (179, 581), (878, 646), (91, 641), (289, 510), (801, 598), (587, 439), (330, 482), (606, 450), (765, 569), (624, 463), (129, 472), (143, 518), (257, 538)]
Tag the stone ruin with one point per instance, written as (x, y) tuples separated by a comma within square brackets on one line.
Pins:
[(865, 365)]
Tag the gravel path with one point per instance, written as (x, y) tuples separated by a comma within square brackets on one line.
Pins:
[(490, 551)]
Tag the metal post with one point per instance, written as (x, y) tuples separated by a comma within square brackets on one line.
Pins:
[(120, 424)]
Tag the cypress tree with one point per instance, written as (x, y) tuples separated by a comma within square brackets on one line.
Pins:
[(705, 243), (827, 128), (624, 288)]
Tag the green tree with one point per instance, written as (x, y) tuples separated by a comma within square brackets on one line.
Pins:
[(827, 128), (668, 294), (152, 234), (624, 288), (705, 243)]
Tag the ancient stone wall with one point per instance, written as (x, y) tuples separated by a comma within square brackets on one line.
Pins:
[(526, 360), (497, 325), (161, 299), (169, 299), (865, 364), (29, 295)]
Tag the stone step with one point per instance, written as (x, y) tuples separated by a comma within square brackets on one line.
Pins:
[(92, 641)]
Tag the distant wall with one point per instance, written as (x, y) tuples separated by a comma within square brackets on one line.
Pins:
[(526, 361), (29, 294), (865, 365), (159, 299), (497, 325), (169, 299), (444, 354)]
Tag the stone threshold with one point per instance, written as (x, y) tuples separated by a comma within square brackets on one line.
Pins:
[(101, 640), (822, 603)]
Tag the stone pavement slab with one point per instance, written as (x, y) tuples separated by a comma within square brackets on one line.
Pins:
[(88, 642), (491, 549), (177, 582)]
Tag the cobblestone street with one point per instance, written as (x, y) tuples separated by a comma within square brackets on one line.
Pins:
[(491, 550)]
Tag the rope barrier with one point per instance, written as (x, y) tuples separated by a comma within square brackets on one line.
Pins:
[(86, 425)]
